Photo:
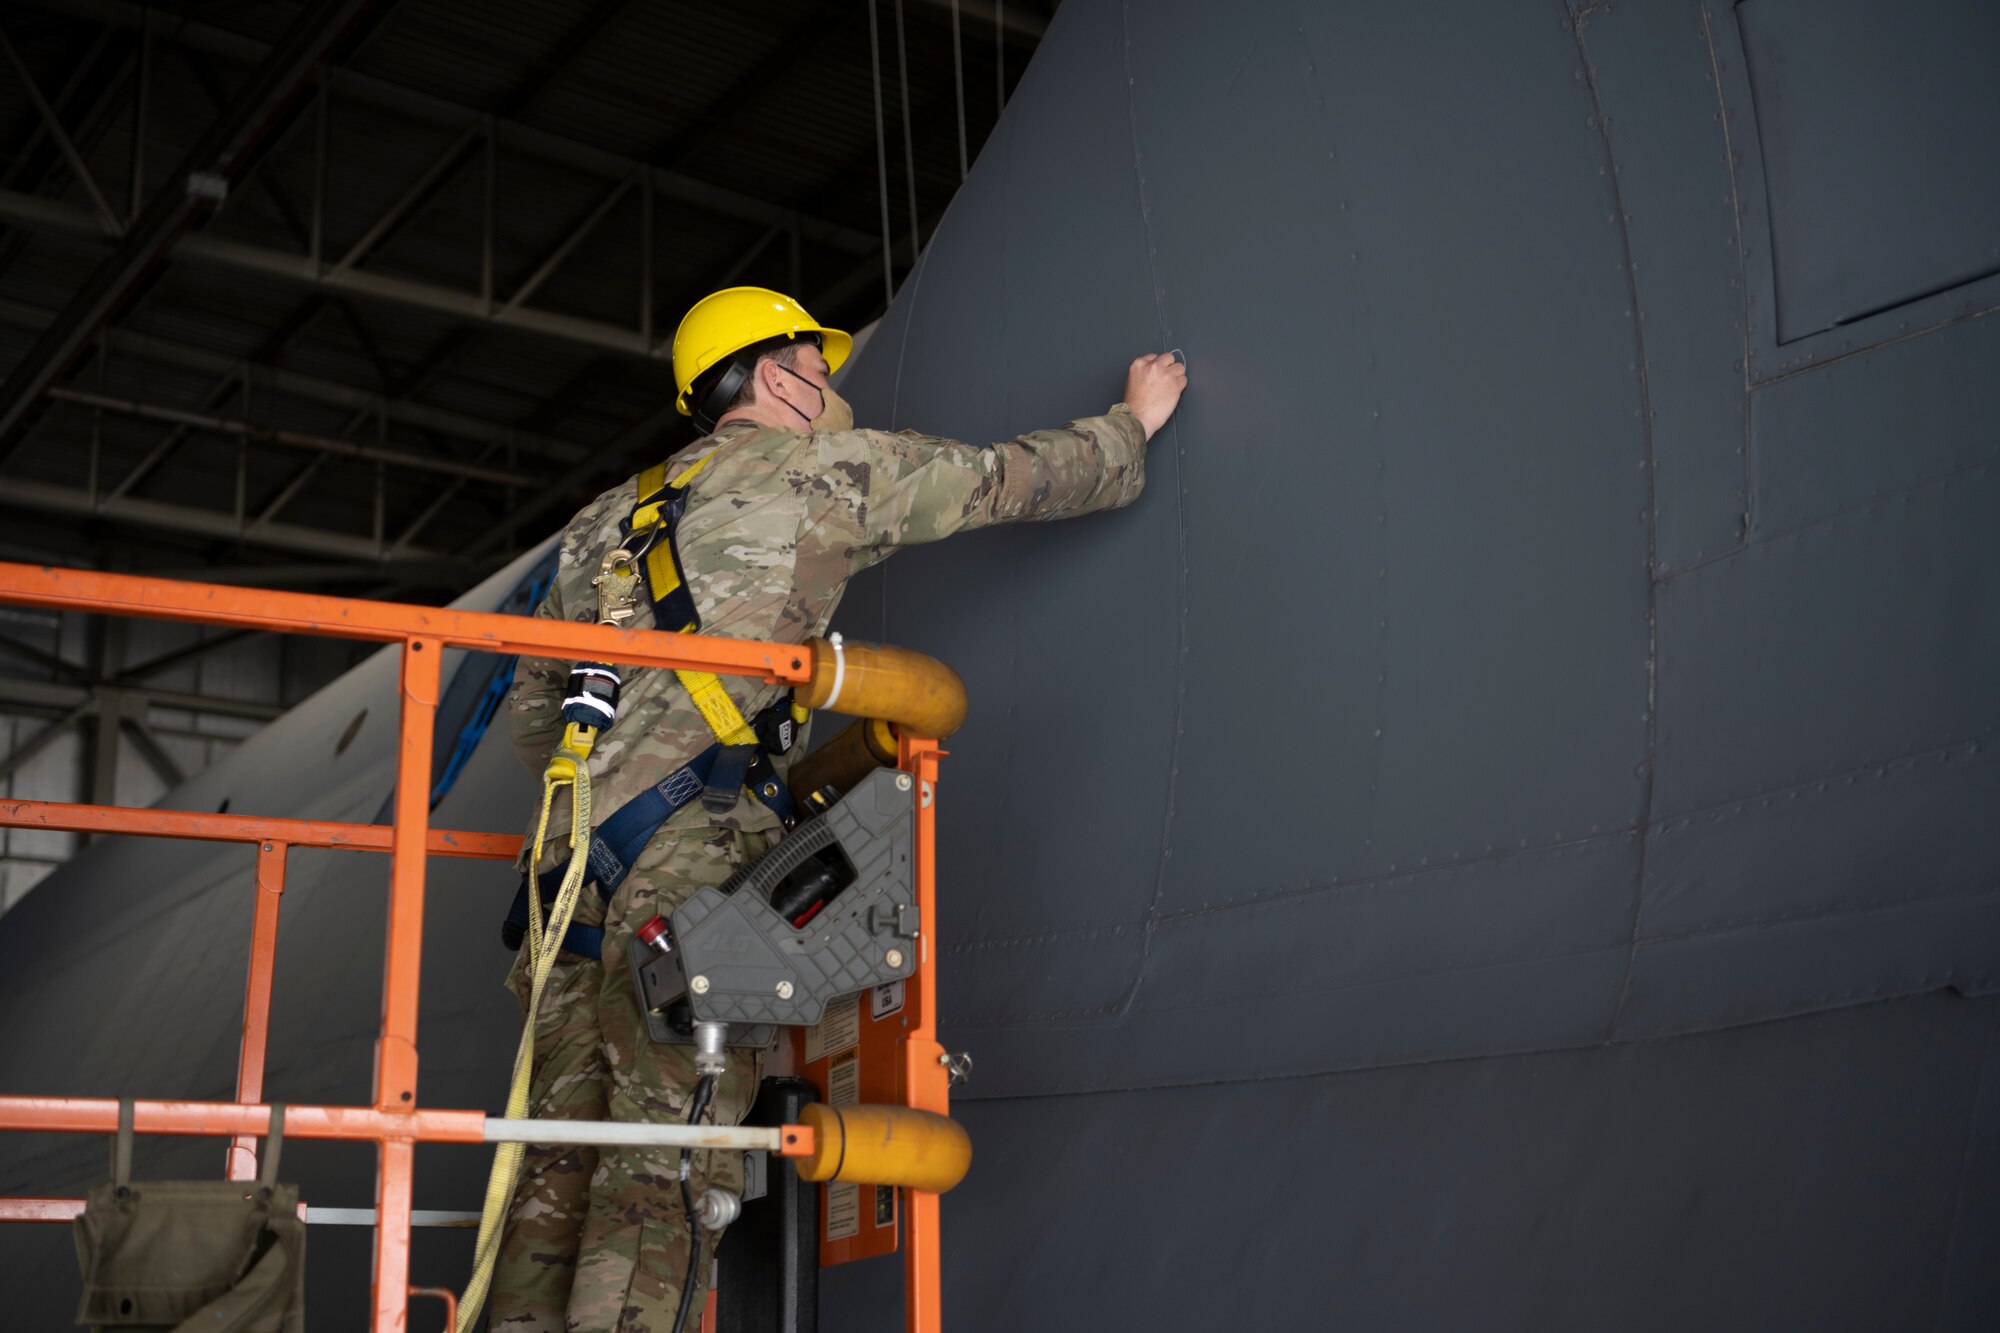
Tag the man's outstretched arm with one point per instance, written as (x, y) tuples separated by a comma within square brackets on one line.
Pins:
[(918, 488)]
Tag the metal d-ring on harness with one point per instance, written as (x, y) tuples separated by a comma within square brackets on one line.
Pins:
[(648, 563)]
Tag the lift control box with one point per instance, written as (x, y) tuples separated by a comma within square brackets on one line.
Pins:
[(831, 911)]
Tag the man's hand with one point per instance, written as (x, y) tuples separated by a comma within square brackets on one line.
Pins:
[(1153, 388)]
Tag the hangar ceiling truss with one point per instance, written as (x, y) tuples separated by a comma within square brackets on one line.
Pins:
[(444, 259), (363, 297)]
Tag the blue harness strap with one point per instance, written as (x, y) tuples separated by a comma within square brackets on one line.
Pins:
[(617, 843)]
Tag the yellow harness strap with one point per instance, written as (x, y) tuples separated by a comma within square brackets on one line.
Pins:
[(569, 765), (663, 580)]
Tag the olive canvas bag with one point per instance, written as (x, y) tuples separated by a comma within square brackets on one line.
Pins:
[(221, 1256)]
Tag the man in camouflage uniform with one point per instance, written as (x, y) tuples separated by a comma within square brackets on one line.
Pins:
[(791, 503)]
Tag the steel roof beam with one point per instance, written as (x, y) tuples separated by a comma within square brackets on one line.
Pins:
[(41, 740), (448, 575), (792, 47), (52, 123), (109, 85), (258, 432), (221, 154), (151, 750), (211, 523), (748, 90), (25, 154), (418, 194), (465, 306), (567, 246), (49, 695), (384, 95), (45, 660), (136, 672), (54, 215), (306, 232), (479, 134), (549, 497), (289, 492), (160, 351), (589, 33)]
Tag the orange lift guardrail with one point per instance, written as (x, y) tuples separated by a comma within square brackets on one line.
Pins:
[(395, 1122)]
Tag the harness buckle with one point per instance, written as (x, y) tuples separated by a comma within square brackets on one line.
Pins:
[(725, 780)]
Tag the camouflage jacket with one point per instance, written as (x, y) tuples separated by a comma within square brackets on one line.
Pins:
[(774, 527)]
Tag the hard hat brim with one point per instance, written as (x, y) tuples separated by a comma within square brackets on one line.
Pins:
[(836, 347), (725, 323)]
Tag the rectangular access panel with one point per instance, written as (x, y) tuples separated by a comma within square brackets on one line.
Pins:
[(1881, 146)]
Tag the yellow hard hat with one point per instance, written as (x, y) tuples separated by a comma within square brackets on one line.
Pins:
[(725, 322)]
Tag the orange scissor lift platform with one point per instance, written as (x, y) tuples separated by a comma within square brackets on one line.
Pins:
[(882, 1049)]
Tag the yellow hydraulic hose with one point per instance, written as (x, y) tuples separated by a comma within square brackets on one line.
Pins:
[(568, 767)]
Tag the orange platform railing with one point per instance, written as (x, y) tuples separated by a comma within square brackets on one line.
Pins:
[(395, 1121)]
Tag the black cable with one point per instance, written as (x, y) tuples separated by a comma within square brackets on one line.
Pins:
[(703, 1091)]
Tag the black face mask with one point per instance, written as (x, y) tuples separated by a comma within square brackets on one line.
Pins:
[(810, 385), (834, 413)]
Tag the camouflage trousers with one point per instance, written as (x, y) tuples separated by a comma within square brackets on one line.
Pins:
[(597, 1239)]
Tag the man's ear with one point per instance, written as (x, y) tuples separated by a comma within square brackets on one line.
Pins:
[(769, 376)]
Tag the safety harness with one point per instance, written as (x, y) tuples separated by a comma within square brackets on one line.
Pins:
[(647, 561)]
